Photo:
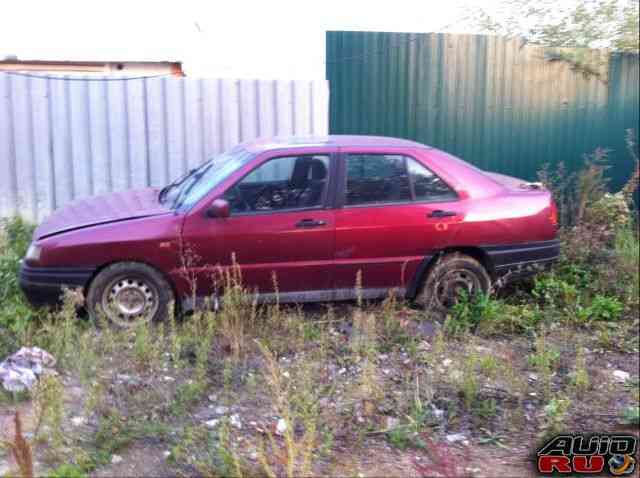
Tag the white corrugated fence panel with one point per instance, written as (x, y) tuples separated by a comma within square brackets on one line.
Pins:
[(64, 138)]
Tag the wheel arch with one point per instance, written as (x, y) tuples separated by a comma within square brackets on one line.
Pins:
[(429, 262), (102, 267)]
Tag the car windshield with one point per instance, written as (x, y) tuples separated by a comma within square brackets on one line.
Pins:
[(200, 181)]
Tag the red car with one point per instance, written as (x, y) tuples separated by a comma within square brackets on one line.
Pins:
[(308, 214)]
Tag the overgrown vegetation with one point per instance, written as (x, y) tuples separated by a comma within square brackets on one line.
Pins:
[(575, 24), (291, 391)]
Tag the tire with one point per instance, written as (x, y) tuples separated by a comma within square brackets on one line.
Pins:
[(447, 278), (127, 293)]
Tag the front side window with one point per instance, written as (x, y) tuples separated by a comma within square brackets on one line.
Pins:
[(391, 178), (285, 183)]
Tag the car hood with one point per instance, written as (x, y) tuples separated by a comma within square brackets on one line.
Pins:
[(102, 209)]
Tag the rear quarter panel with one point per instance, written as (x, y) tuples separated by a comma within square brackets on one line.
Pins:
[(491, 214), (505, 219)]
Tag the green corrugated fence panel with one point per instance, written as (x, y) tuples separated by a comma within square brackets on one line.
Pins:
[(499, 103)]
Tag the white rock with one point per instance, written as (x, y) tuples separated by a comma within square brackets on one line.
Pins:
[(115, 459), (235, 421), (392, 422), (456, 437), (621, 376), (281, 427), (285, 374), (167, 378), (78, 421), (212, 398), (166, 454), (220, 410), (446, 362), (342, 371), (212, 423)]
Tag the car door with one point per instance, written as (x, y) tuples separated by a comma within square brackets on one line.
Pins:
[(280, 231), (393, 213)]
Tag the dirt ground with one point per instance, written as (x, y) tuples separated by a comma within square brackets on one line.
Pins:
[(498, 440)]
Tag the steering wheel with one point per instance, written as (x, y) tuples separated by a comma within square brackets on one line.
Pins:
[(238, 201), (270, 197)]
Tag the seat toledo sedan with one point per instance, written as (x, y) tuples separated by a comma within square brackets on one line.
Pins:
[(303, 219)]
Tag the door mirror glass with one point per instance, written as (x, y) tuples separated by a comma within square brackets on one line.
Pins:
[(219, 208)]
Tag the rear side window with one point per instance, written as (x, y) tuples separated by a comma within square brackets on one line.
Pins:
[(373, 179), (426, 185), (391, 178)]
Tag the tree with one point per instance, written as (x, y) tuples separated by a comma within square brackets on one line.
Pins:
[(578, 24)]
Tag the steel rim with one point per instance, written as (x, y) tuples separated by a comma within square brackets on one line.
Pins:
[(453, 284), (130, 300)]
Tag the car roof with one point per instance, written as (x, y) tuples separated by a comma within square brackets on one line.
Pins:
[(334, 140)]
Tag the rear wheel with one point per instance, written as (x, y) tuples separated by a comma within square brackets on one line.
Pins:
[(128, 293), (452, 275)]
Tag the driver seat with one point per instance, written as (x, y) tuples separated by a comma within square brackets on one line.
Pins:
[(315, 185)]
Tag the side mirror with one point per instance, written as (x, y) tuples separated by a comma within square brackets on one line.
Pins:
[(219, 208)]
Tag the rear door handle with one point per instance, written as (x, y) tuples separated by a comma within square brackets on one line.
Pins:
[(441, 213), (306, 223)]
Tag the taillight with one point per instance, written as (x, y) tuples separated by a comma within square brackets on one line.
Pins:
[(553, 215)]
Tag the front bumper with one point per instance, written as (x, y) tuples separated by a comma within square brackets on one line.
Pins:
[(44, 285)]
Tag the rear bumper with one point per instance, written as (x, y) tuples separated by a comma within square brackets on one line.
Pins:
[(44, 285), (520, 260)]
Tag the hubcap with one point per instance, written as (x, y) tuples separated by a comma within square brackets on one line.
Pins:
[(129, 299), (453, 283)]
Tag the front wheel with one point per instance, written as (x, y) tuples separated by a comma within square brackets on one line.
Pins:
[(452, 275), (127, 293)]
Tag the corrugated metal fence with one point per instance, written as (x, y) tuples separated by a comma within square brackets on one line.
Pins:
[(496, 102), (62, 139)]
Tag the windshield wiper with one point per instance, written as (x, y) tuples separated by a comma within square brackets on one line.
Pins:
[(165, 190), (195, 175)]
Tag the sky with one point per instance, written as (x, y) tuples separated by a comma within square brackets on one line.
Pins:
[(243, 39)]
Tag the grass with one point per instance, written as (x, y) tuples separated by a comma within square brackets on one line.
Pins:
[(15, 315)]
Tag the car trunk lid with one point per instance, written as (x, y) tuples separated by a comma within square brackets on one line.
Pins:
[(515, 184)]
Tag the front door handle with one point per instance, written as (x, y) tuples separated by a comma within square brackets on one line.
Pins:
[(306, 223), (441, 213)]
